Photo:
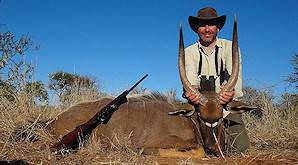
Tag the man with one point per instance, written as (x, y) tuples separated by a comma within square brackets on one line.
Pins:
[(212, 57)]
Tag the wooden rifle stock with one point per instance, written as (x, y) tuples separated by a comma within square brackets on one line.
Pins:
[(72, 139)]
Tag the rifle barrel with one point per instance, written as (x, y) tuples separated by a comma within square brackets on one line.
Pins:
[(137, 83)]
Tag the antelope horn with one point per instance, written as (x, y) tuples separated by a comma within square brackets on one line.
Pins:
[(235, 61), (181, 63)]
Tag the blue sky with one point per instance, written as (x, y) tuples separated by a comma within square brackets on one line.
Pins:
[(118, 41)]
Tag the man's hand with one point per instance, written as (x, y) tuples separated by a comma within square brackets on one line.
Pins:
[(226, 97), (193, 97)]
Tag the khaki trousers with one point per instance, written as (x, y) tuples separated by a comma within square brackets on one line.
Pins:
[(236, 136)]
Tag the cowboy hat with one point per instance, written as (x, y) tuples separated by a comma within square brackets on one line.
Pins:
[(207, 15)]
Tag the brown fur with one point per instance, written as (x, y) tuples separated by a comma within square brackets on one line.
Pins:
[(211, 113), (209, 141), (146, 117)]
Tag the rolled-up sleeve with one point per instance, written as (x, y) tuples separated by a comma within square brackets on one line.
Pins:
[(191, 65)]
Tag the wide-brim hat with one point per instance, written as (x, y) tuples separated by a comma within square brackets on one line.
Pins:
[(205, 16)]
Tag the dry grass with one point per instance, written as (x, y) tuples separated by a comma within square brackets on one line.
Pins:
[(277, 129), (117, 150), (22, 123), (77, 95), (23, 136)]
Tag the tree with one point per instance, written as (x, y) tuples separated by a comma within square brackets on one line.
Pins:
[(37, 90), (61, 82), (12, 54), (65, 84), (293, 78), (7, 91), (15, 73)]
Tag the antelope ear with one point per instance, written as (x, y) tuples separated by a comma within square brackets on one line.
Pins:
[(182, 112), (239, 107), (183, 109)]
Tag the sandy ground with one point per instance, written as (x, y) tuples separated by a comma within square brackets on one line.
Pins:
[(253, 159)]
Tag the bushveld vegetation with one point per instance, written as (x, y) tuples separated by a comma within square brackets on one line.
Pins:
[(25, 112)]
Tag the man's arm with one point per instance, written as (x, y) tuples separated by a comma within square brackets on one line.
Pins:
[(191, 64), (191, 68)]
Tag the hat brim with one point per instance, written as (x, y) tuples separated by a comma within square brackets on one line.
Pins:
[(195, 22)]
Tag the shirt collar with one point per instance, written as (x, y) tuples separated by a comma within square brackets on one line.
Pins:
[(218, 43)]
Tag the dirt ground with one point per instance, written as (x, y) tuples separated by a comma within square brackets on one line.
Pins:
[(261, 159), (256, 158)]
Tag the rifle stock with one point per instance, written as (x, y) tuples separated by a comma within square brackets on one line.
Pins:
[(72, 139)]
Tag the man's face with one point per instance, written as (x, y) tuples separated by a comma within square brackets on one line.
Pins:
[(207, 32)]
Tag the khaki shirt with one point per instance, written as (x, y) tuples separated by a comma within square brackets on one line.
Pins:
[(192, 58)]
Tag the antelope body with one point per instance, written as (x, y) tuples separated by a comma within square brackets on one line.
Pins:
[(145, 118)]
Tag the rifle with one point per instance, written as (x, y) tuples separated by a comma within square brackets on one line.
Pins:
[(71, 140)]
